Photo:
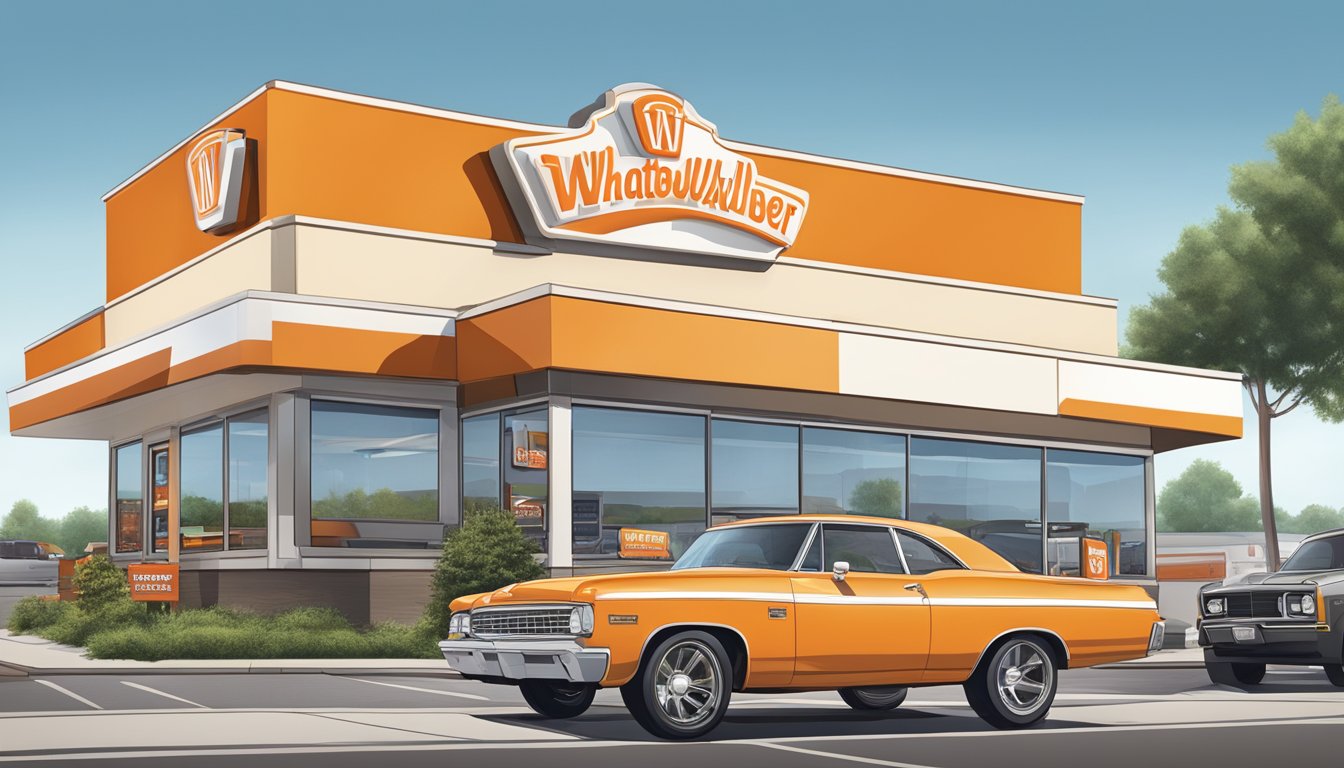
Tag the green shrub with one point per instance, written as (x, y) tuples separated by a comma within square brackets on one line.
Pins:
[(246, 636), (311, 619), (77, 626), (489, 551), (100, 583), (34, 613)]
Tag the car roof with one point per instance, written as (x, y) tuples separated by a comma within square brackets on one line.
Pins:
[(972, 553), (1323, 534)]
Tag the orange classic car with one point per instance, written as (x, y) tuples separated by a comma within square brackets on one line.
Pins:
[(869, 607)]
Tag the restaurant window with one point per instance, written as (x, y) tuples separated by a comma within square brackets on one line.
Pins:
[(1101, 496), (130, 498), (480, 462), (374, 476), (249, 457), (201, 523), (639, 482), (526, 450), (988, 491), (852, 472), (754, 470)]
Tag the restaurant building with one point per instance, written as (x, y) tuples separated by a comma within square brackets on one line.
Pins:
[(334, 323)]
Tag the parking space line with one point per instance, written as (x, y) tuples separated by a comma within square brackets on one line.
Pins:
[(421, 690), (832, 755), (157, 692), (67, 692)]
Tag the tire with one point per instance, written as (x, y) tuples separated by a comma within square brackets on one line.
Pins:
[(1015, 685), (874, 698), (682, 688), (1336, 674), (1234, 673), (556, 699)]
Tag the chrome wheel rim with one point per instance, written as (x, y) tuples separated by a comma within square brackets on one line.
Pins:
[(883, 696), (1023, 678), (687, 683)]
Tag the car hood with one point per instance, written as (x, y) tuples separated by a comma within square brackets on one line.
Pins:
[(586, 588), (1288, 578)]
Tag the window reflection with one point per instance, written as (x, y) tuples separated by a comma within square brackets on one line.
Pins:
[(988, 491), (755, 469), (1102, 496), (527, 455), (852, 472), (249, 452), (480, 462), (201, 523), (130, 493), (639, 482)]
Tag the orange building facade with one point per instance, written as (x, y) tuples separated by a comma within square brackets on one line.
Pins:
[(334, 323)]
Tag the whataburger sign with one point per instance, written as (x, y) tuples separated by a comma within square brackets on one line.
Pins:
[(645, 170)]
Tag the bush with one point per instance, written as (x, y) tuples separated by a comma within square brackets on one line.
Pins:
[(489, 551), (77, 626), (100, 583), (36, 613)]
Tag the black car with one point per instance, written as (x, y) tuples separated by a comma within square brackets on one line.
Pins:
[(1295, 616)]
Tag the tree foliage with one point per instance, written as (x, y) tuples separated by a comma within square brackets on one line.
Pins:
[(489, 551), (71, 533), (1313, 518), (878, 497), (1206, 498)]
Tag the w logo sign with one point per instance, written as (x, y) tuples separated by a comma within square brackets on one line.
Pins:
[(214, 176), (660, 121)]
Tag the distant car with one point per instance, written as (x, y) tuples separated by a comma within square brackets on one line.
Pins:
[(1294, 616), (869, 607), (29, 563)]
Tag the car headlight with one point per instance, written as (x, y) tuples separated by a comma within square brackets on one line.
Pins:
[(1308, 605), (460, 624), (1214, 606), (581, 620), (1301, 605)]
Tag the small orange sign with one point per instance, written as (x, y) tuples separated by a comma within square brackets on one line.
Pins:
[(645, 544), (1096, 559), (153, 582)]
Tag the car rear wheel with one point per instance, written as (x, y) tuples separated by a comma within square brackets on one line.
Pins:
[(1229, 673), (880, 697), (1336, 674), (555, 699), (682, 688), (1015, 686)]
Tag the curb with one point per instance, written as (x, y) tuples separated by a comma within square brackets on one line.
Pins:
[(18, 670), (12, 670)]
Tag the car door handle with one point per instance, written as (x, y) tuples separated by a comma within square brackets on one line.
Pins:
[(917, 587)]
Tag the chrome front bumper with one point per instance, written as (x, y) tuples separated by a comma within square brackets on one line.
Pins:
[(526, 659)]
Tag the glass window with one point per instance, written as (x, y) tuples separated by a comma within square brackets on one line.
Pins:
[(158, 497), (750, 546), (1102, 496), (527, 454), (924, 557), (850, 472), (130, 498), (755, 470), (636, 471), (375, 476), (867, 549), (480, 462), (812, 561), (202, 517), (988, 491), (1320, 555), (249, 453)]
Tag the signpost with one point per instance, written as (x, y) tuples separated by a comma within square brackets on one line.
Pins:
[(153, 582)]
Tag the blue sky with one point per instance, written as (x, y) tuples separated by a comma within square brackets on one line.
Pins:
[(1140, 106)]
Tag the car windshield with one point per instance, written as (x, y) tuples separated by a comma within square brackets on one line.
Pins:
[(751, 546), (1319, 555)]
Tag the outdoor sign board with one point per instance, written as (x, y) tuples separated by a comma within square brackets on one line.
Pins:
[(637, 543), (1095, 559), (153, 582), (215, 178), (529, 444), (644, 169)]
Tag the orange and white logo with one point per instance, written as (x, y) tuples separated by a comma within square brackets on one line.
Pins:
[(1096, 559), (215, 177), (645, 170)]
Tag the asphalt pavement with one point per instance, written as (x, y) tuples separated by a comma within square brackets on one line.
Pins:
[(1152, 717)]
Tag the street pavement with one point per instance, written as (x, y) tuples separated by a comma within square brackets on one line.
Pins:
[(1116, 716)]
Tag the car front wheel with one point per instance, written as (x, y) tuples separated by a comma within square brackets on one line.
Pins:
[(682, 688), (1015, 685), (555, 699), (1228, 673), (873, 698)]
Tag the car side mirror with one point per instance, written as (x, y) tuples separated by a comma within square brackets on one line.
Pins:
[(53, 556), (839, 570)]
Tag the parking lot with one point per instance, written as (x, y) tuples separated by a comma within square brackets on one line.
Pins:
[(1108, 716)]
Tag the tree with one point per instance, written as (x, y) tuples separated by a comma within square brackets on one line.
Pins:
[(1260, 289), (81, 526), (489, 551), (24, 522), (1205, 498), (1313, 518), (879, 497)]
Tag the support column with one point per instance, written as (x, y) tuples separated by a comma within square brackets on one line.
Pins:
[(559, 463)]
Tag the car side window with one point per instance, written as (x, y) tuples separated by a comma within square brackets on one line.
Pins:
[(811, 562), (29, 551), (923, 557), (6, 549), (867, 548)]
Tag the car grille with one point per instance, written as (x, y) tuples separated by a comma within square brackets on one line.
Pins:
[(521, 621), (1253, 605)]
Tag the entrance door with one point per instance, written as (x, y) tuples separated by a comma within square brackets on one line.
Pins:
[(158, 495), (867, 629)]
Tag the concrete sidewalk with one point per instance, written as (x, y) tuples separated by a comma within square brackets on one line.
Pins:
[(22, 655)]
